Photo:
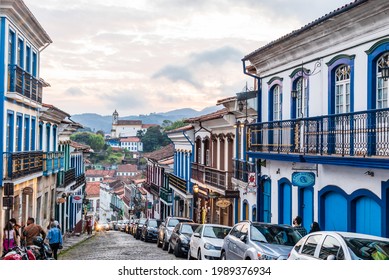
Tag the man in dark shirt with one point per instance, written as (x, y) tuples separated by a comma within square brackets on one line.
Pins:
[(32, 230), (297, 225)]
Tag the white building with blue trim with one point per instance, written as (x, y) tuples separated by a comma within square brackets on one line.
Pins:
[(320, 141)]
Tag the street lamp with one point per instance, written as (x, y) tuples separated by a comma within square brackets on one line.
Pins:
[(195, 198)]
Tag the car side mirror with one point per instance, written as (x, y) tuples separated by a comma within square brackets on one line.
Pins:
[(196, 234), (243, 238), (331, 258)]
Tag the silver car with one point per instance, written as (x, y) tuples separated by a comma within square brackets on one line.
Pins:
[(259, 241), (331, 245)]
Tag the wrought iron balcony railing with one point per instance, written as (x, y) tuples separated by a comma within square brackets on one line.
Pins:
[(21, 82), (20, 164), (242, 169), (80, 180), (166, 195), (357, 134), (70, 176), (52, 162)]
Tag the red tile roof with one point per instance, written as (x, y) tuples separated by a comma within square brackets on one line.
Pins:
[(127, 168), (130, 139), (92, 189), (212, 116), (129, 122), (100, 173), (148, 125), (183, 128), (163, 153)]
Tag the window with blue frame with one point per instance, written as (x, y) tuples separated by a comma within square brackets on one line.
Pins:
[(20, 53), (11, 44), (342, 89), (48, 134), (34, 64), (277, 103), (302, 101), (33, 133), (18, 133), (41, 136), (382, 84), (28, 59), (10, 132), (26, 133), (54, 138)]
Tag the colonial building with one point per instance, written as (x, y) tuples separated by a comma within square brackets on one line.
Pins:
[(127, 128), (94, 175), (321, 138), (21, 40)]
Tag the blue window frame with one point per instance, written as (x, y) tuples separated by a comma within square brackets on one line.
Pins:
[(41, 136), (48, 135), (28, 59), (300, 103), (337, 95), (26, 133), (33, 133), (10, 132), (11, 47), (54, 138), (20, 53), (19, 130), (34, 64)]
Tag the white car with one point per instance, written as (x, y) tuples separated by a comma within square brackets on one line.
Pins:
[(206, 241), (330, 245)]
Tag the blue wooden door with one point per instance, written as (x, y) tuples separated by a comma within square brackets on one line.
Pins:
[(335, 209), (367, 216), (307, 207), (267, 202), (286, 207)]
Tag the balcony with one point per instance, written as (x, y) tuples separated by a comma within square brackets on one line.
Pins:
[(69, 177), (218, 178), (198, 172), (359, 136), (80, 180), (177, 183), (21, 164), (242, 169), (52, 162), (23, 87), (166, 195)]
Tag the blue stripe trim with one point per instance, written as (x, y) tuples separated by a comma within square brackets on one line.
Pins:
[(2, 88)]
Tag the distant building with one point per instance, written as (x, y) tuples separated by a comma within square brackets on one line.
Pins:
[(127, 170), (127, 128), (99, 175)]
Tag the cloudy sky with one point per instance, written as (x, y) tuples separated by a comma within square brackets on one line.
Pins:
[(145, 56)]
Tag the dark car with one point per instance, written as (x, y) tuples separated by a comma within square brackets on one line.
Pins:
[(166, 228), (138, 227), (180, 238), (150, 230)]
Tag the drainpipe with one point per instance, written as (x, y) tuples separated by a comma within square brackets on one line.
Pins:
[(190, 171), (259, 95)]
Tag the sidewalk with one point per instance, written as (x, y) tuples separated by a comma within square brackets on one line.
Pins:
[(71, 241)]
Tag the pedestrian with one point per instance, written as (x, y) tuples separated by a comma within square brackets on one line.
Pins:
[(297, 225), (55, 239), (32, 230), (16, 228), (88, 225), (8, 237), (56, 223), (314, 227)]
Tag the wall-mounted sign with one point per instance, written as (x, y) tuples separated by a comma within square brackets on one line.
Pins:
[(252, 182), (303, 179), (78, 199), (61, 200), (28, 191), (223, 203)]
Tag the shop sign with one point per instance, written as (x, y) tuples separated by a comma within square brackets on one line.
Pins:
[(61, 200), (77, 199), (251, 180), (303, 179), (223, 203)]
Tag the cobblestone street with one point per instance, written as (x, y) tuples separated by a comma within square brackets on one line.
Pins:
[(114, 245)]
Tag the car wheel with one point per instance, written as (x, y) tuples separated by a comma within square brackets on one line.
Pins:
[(164, 245), (158, 242), (170, 249), (223, 256), (176, 252), (189, 255), (199, 255)]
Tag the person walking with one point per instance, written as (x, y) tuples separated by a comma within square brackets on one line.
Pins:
[(16, 228), (297, 225), (55, 239), (32, 230), (9, 237), (314, 227)]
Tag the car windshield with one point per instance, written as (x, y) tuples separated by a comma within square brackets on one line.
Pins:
[(142, 221), (174, 222), (153, 223), (368, 249), (274, 235), (216, 232), (188, 229)]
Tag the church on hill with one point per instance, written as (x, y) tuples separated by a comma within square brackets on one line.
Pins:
[(127, 128)]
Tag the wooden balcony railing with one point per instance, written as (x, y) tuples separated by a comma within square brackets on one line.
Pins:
[(358, 134), (52, 162), (177, 182), (242, 169), (22, 82), (218, 178), (80, 180), (198, 172), (20, 164), (70, 176)]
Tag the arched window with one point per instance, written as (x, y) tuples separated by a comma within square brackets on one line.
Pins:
[(342, 89), (382, 85), (302, 97), (277, 108)]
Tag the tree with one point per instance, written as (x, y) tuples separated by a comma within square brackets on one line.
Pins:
[(100, 132), (154, 139), (173, 125), (95, 141)]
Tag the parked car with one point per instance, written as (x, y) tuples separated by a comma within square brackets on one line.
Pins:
[(259, 241), (123, 225), (139, 227), (102, 227), (150, 230), (166, 228), (119, 225), (330, 245), (133, 227), (111, 225), (180, 237), (206, 242)]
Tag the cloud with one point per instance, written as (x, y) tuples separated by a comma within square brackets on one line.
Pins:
[(74, 91), (175, 74)]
